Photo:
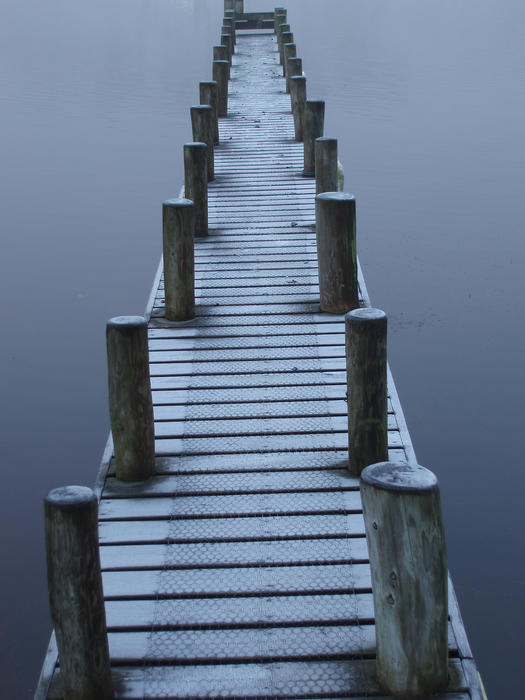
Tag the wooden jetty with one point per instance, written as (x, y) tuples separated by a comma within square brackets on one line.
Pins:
[(240, 568)]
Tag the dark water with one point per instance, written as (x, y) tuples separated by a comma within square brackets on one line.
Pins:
[(427, 100)]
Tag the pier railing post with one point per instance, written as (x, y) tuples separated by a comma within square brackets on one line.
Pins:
[(295, 67), (406, 543), (283, 28), (313, 127), (221, 53), (286, 38), (196, 183), (366, 376), (209, 95), (130, 403), (336, 252), (178, 218), (238, 7), (230, 23), (75, 593), (204, 132), (227, 30), (279, 18), (290, 51), (226, 40), (325, 165), (220, 75), (298, 101)]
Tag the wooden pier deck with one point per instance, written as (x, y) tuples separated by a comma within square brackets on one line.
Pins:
[(241, 568)]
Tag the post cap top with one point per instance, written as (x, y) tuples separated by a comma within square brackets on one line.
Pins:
[(326, 139), (221, 61), (127, 322), (335, 197), (365, 314), (71, 497), (208, 82), (201, 107), (179, 202), (400, 476), (298, 77), (195, 144)]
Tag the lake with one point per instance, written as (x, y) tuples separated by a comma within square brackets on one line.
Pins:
[(427, 101)]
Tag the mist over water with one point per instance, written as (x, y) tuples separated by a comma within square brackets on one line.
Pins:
[(427, 101)]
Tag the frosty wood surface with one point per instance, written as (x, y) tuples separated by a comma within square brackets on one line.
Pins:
[(241, 567)]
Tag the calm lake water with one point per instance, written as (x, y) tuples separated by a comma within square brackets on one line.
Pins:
[(427, 100)]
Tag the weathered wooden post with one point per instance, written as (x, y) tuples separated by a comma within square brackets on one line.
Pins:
[(298, 101), (294, 67), (226, 40), (221, 53), (204, 132), (336, 252), (325, 164), (279, 18), (75, 593), (130, 404), (209, 95), (178, 217), (228, 30), (220, 75), (238, 7), (406, 542), (290, 51), (366, 376), (286, 38), (229, 6), (230, 23), (313, 126), (196, 183), (283, 28)]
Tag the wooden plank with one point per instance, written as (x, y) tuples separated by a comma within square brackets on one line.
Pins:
[(271, 680), (234, 529)]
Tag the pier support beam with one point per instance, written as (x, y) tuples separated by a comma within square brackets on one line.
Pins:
[(75, 593), (298, 100), (178, 217), (313, 127), (326, 165), (220, 75), (204, 132), (196, 183), (209, 95), (366, 376), (130, 403), (406, 542), (336, 252)]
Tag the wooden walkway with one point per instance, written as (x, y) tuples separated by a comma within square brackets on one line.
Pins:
[(241, 569)]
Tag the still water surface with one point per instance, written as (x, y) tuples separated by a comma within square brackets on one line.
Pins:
[(427, 100)]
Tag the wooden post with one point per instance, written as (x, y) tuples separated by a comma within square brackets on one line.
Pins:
[(286, 38), (230, 23), (290, 51), (209, 95), (204, 131), (226, 40), (221, 53), (313, 127), (229, 6), (196, 183), (226, 29), (406, 542), (298, 100), (75, 593), (336, 251), (178, 216), (239, 7), (294, 67), (220, 75), (366, 376), (326, 165), (279, 18), (285, 27), (130, 404)]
